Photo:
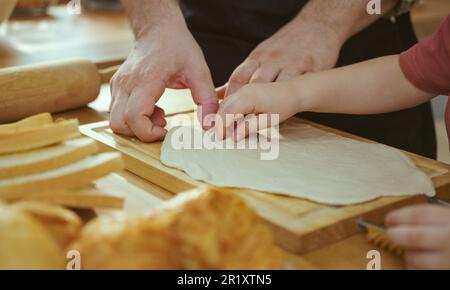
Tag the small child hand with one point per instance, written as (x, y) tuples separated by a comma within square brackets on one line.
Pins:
[(424, 232), (253, 100)]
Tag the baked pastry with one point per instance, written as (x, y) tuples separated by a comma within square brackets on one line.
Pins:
[(27, 123), (73, 176), (25, 243), (214, 229), (29, 138), (43, 160), (62, 224), (125, 242), (89, 197), (46, 158), (206, 228)]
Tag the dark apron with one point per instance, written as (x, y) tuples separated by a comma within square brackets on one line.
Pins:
[(228, 31)]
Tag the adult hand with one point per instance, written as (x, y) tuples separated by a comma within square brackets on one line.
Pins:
[(166, 56), (424, 232), (303, 45)]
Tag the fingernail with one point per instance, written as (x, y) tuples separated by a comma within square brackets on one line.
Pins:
[(204, 111), (210, 108)]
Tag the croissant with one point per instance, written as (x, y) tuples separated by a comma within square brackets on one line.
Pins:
[(25, 243), (206, 228), (62, 224)]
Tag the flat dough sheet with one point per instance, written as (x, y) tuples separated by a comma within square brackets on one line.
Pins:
[(312, 164)]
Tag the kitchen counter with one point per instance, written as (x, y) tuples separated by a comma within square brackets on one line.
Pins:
[(349, 253), (102, 37)]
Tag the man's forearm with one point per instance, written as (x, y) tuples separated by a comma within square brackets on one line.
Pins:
[(345, 17), (146, 15)]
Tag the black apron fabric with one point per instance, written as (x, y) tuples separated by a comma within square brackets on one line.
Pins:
[(229, 30)]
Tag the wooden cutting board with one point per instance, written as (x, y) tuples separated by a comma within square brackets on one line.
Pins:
[(299, 225)]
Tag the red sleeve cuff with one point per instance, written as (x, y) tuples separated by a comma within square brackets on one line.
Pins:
[(413, 72)]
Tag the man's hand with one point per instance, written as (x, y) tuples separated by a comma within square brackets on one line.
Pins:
[(165, 56), (298, 48), (424, 232), (310, 42)]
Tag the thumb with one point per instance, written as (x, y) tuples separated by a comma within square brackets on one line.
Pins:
[(139, 113), (231, 111), (203, 94)]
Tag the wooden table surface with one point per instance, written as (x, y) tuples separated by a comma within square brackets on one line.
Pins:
[(105, 38), (347, 254), (102, 37)]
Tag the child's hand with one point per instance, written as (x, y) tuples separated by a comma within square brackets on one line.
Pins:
[(424, 232), (254, 99)]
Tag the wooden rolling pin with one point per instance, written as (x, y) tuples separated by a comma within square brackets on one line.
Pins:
[(49, 87)]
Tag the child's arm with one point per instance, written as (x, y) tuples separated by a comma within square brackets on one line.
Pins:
[(370, 87), (376, 86)]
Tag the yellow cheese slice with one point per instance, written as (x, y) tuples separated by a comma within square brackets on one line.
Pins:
[(47, 158), (36, 137), (76, 175), (27, 123), (79, 198)]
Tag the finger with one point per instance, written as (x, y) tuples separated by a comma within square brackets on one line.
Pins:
[(117, 115), (113, 94), (419, 215), (254, 123), (220, 91), (246, 127), (418, 237), (116, 85), (265, 74), (140, 108), (203, 93), (241, 76), (158, 117), (232, 109), (288, 74), (422, 260), (238, 103)]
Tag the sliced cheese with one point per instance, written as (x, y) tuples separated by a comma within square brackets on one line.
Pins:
[(37, 137), (75, 175), (27, 123), (47, 158), (79, 198)]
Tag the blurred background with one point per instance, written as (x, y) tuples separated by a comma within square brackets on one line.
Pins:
[(42, 30)]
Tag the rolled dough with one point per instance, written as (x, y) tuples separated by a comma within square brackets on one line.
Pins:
[(312, 164)]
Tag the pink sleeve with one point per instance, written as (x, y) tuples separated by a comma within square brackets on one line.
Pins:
[(427, 64)]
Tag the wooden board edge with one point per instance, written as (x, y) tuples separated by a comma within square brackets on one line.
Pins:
[(337, 232), (149, 169)]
